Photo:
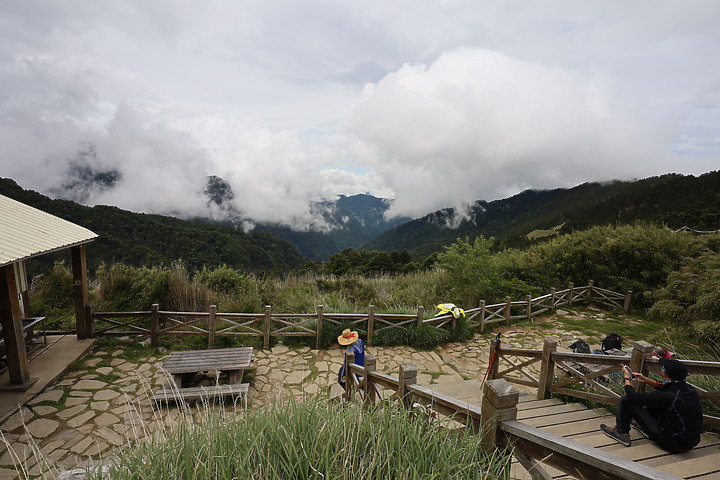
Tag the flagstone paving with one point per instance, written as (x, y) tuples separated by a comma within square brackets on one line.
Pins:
[(94, 410)]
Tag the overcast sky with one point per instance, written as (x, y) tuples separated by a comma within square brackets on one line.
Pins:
[(432, 103)]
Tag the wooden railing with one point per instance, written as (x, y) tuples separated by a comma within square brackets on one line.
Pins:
[(157, 323), (496, 421), (559, 372)]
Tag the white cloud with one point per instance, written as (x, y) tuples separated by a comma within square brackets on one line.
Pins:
[(466, 100), (478, 124)]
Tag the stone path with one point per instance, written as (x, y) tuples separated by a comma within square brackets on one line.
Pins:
[(104, 404)]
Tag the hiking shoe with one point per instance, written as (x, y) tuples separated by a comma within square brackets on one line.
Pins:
[(611, 432)]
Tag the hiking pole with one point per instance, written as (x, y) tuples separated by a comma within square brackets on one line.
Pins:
[(492, 357)]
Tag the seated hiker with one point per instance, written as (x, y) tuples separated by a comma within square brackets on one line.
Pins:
[(661, 352), (355, 345), (670, 415)]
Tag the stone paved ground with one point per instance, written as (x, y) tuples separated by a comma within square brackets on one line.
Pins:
[(104, 404)]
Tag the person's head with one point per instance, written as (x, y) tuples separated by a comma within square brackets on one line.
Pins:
[(661, 352), (673, 369), (348, 337)]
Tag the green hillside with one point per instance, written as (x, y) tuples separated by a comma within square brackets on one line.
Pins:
[(671, 200), (145, 240)]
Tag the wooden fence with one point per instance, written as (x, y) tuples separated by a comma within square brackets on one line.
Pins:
[(496, 421), (585, 376), (157, 323)]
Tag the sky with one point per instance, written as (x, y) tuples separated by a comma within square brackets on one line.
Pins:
[(433, 104)]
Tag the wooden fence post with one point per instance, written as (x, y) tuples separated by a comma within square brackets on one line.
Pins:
[(571, 293), (628, 299), (547, 368), (641, 350), (420, 316), (154, 325), (370, 366), (319, 327), (266, 327), (494, 360), (506, 312), (371, 324), (499, 404), (482, 316), (212, 326), (407, 376), (528, 308), (552, 300), (589, 292)]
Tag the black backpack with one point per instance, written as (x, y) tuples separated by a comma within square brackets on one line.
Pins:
[(579, 346), (612, 341)]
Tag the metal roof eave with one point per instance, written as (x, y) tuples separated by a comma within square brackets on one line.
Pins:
[(38, 254)]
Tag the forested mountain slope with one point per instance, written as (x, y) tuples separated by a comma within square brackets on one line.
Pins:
[(145, 240), (671, 200)]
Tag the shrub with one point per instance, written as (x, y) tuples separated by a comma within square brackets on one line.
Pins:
[(51, 296)]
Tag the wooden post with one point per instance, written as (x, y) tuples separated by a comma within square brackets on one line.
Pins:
[(482, 316), (319, 327), (499, 404), (348, 358), (528, 308), (506, 313), (571, 293), (212, 326), (370, 366), (494, 360), (641, 350), (371, 324), (12, 331), (80, 291), (420, 316), (266, 327), (589, 292), (154, 325), (628, 299), (552, 300), (89, 315), (547, 368), (407, 376)]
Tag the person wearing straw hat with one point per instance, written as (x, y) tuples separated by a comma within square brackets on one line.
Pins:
[(355, 345), (671, 415)]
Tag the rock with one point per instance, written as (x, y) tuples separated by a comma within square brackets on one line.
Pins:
[(48, 396), (71, 412), (81, 419), (89, 385), (42, 427)]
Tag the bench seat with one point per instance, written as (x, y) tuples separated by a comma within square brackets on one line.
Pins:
[(195, 393)]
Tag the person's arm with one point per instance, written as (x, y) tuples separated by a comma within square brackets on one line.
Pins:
[(642, 378)]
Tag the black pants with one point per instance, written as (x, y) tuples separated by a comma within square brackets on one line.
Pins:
[(647, 420)]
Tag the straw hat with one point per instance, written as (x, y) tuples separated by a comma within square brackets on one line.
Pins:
[(347, 337)]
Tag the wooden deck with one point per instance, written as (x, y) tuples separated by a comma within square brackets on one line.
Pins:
[(576, 422)]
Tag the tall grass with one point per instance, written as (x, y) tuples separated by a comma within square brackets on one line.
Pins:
[(309, 439)]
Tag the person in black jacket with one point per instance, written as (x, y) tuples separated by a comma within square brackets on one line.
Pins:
[(670, 415)]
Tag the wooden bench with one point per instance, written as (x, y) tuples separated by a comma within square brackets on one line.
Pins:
[(170, 394)]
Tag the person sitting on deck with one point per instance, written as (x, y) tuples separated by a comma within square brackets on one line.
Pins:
[(357, 346), (671, 415)]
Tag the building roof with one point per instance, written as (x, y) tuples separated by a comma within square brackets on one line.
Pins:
[(27, 232)]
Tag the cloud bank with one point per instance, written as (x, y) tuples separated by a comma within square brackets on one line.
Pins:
[(435, 104)]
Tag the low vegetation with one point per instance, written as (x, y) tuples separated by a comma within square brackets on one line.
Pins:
[(310, 439), (675, 276)]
